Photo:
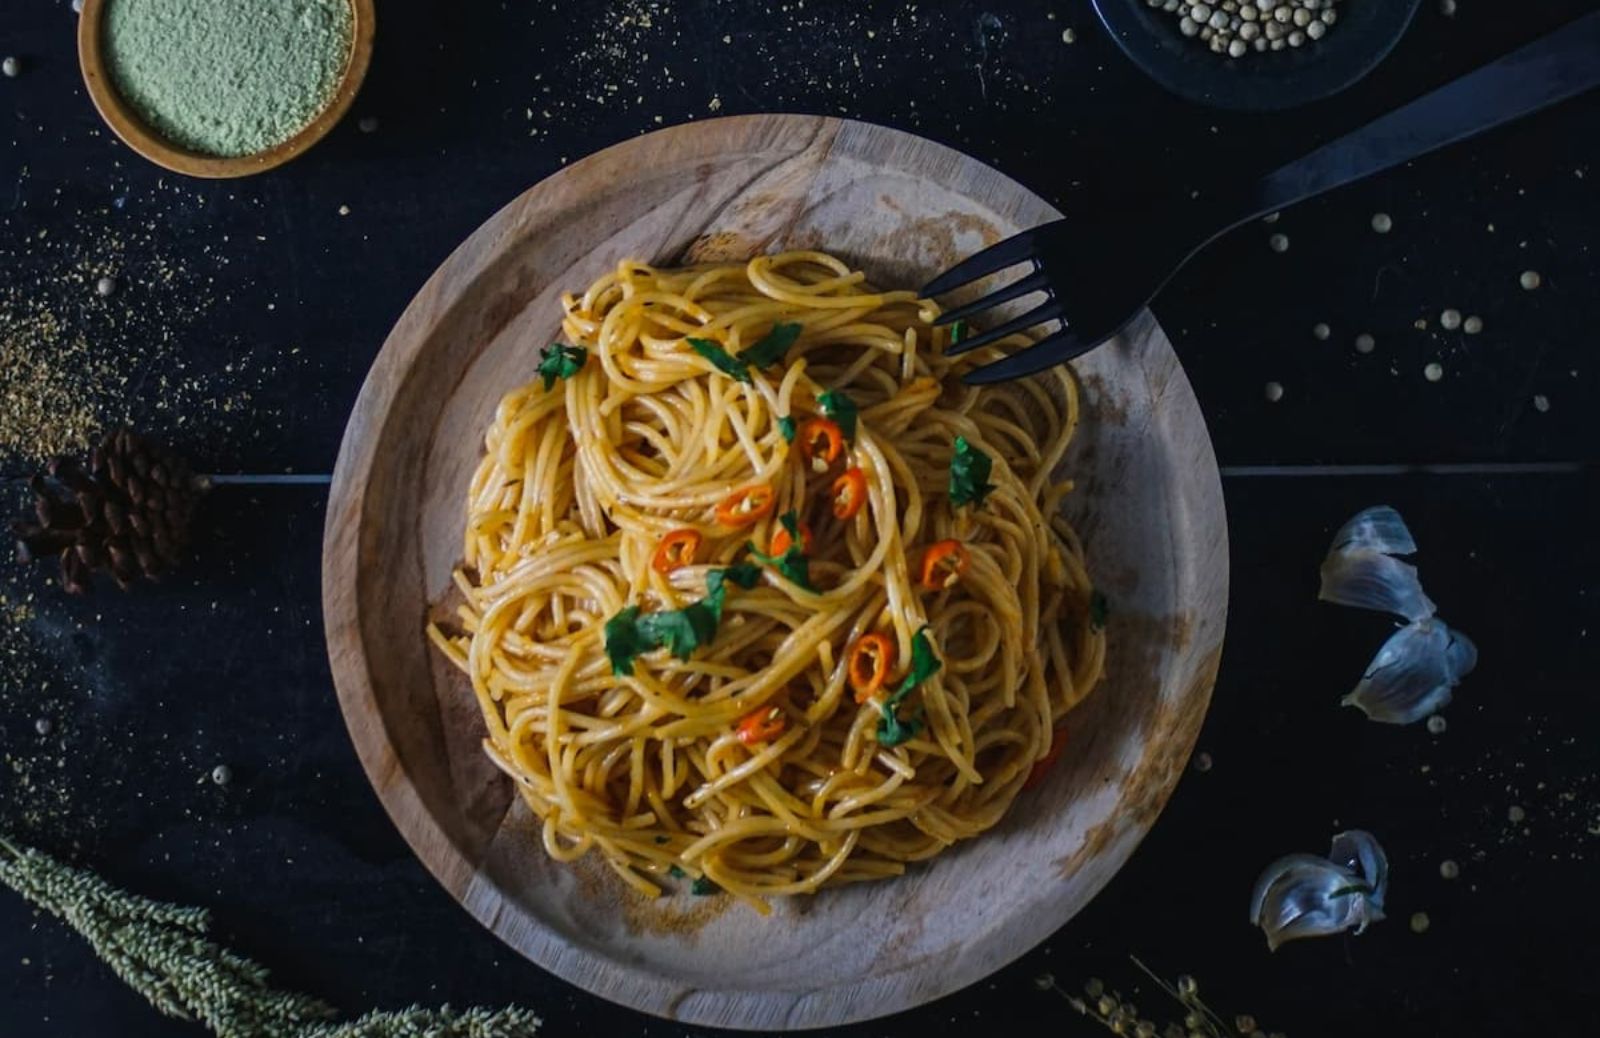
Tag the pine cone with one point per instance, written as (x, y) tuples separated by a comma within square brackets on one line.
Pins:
[(127, 515)]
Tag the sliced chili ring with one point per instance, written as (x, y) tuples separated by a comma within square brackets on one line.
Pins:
[(849, 493), (871, 658), (677, 548), (1058, 743), (747, 505), (943, 563), (760, 725), (782, 542), (821, 442)]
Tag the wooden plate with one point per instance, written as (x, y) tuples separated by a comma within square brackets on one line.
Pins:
[(1149, 505)]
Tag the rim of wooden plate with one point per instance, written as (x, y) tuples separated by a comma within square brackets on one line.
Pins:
[(134, 132)]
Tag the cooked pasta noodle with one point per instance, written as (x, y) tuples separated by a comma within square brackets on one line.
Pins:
[(790, 734)]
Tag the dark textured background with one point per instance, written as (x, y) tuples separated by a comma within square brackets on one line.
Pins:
[(248, 312)]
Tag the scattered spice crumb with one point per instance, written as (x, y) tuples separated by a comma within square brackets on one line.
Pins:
[(1365, 343), (1382, 223), (1530, 280), (1433, 372)]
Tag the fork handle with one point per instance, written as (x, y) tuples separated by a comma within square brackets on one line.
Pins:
[(1561, 65)]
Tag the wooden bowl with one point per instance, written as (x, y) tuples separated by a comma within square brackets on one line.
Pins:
[(126, 124), (1149, 506)]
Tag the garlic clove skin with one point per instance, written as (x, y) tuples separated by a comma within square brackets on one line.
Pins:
[(1377, 529), (1414, 673), (1369, 579)]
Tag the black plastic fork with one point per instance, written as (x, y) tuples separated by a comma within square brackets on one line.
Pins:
[(1098, 272)]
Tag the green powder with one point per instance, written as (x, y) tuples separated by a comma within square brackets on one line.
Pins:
[(227, 77)]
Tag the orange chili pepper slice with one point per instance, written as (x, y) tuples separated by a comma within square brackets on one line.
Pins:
[(821, 441), (781, 541), (747, 505), (761, 725), (871, 657), (1058, 742), (943, 563), (677, 548), (849, 493)]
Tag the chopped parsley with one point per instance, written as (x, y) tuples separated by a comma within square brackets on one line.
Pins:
[(702, 886), (842, 410), (724, 361), (958, 331), (675, 872), (789, 427), (770, 348), (629, 635), (793, 563), (1099, 609), (663, 839), (969, 474), (924, 664), (559, 360)]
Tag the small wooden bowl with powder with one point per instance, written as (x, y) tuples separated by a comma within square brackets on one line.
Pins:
[(223, 88)]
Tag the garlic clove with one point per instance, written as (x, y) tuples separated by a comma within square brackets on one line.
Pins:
[(1369, 579), (1358, 851), (1302, 895), (1413, 673), (1379, 529)]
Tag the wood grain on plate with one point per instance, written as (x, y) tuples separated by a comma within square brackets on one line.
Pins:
[(1148, 503)]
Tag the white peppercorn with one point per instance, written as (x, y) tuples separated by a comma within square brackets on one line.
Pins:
[(1382, 223), (1433, 372), (1296, 38), (105, 286), (1419, 922), (1274, 392), (1321, 331), (1450, 320), (44, 726), (1541, 403), (1316, 30), (1530, 280), (1365, 343), (222, 774), (1279, 242), (1449, 869), (1437, 724), (1238, 48), (1472, 325), (11, 67)]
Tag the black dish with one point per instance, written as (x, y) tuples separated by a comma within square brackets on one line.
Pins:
[(1366, 32)]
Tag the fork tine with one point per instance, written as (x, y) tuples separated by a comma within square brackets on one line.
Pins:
[(1046, 353), (1035, 282), (998, 256), (1048, 310)]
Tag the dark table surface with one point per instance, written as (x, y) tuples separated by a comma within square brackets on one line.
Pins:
[(247, 312)]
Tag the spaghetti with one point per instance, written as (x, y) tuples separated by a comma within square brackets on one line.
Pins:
[(757, 593)]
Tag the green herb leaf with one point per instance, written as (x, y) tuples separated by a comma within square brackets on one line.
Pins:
[(624, 641), (958, 331), (924, 665), (702, 886), (1099, 609), (789, 427), (725, 362), (842, 410), (663, 839), (676, 873), (793, 563), (684, 630), (559, 360), (771, 347), (746, 574), (969, 474)]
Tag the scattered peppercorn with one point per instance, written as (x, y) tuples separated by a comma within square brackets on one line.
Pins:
[(1274, 392), (222, 774), (1472, 325), (1437, 724), (1279, 242), (43, 726), (1321, 331), (1419, 922), (1450, 320), (1530, 280), (1541, 403), (1449, 869), (1382, 223), (105, 286), (1365, 343), (11, 67), (1433, 372)]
